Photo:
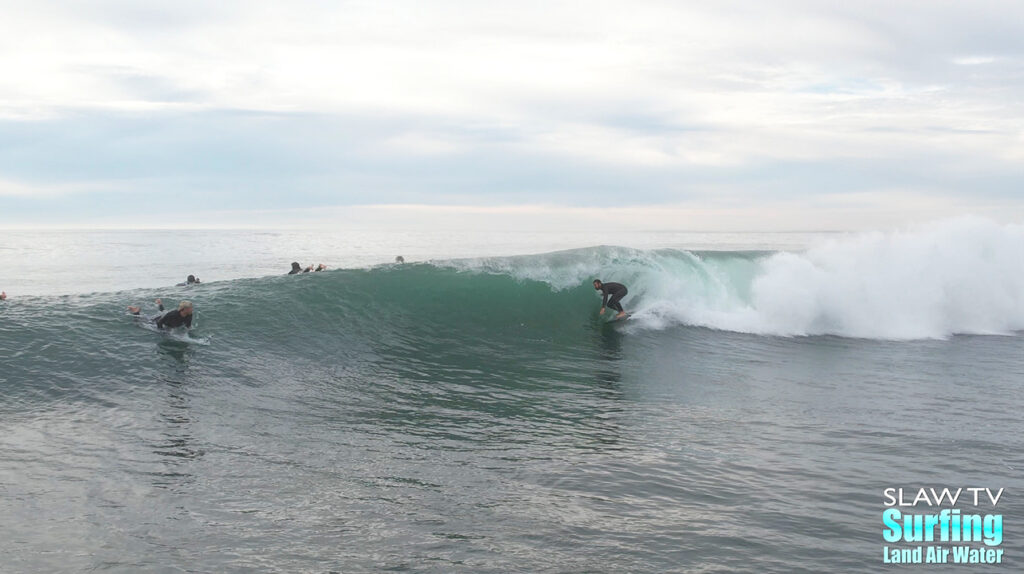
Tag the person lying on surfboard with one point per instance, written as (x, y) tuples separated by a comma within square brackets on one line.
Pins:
[(296, 268), (616, 291), (171, 319)]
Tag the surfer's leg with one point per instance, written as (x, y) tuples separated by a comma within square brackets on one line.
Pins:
[(613, 303)]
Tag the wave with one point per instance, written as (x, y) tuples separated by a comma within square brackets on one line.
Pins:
[(963, 276), (960, 276)]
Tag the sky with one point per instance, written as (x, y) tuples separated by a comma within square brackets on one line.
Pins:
[(731, 115)]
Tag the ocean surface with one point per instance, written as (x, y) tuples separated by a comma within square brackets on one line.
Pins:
[(470, 411)]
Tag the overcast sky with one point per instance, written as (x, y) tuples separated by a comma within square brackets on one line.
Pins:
[(730, 115)]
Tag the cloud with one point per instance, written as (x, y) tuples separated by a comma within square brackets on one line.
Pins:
[(25, 190), (316, 104), (15, 189), (973, 60)]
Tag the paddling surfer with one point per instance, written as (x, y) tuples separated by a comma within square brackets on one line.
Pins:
[(182, 316)]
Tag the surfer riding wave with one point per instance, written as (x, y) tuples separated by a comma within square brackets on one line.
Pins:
[(612, 294)]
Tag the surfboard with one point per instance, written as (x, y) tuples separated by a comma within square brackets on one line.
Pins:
[(614, 320)]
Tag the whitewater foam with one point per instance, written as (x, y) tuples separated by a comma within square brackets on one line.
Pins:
[(963, 276)]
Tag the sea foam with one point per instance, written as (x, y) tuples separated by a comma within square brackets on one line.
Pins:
[(962, 276)]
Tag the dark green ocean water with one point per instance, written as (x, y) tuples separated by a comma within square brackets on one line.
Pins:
[(479, 416)]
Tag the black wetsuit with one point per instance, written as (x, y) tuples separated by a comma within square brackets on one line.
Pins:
[(173, 319), (617, 291), (170, 319)]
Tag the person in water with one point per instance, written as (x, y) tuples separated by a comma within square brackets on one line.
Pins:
[(182, 316), (296, 268), (192, 280), (3, 295), (613, 293)]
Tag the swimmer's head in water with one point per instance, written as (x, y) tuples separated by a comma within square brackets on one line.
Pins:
[(185, 308), (192, 279), (597, 284)]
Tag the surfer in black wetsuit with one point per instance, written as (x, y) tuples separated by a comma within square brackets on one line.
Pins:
[(192, 280), (296, 268), (182, 316), (613, 293)]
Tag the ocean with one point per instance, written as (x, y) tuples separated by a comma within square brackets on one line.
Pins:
[(470, 411)]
